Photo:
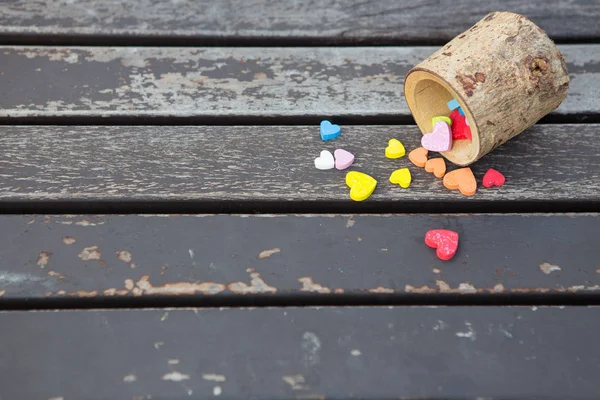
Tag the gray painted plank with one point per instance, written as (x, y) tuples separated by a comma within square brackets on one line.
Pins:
[(273, 166), (375, 353), (223, 258), (219, 82), (337, 21)]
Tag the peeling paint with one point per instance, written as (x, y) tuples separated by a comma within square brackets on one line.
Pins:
[(257, 285), (90, 253), (173, 361), (338, 291), (421, 290), (268, 253), (499, 288), (2, 293), (381, 289), (350, 222), (43, 259), (129, 378), (179, 288), (83, 293), (61, 292), (68, 240), (54, 273), (469, 334), (125, 256), (311, 347), (548, 268), (110, 292), (217, 391), (295, 381), (355, 352), (309, 286), (175, 377), (437, 271), (129, 284), (214, 377)]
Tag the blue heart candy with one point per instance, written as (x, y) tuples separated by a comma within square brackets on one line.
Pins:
[(329, 131)]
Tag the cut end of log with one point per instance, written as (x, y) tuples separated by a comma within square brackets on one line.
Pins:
[(427, 96)]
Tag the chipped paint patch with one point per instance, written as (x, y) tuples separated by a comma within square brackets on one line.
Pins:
[(125, 256), (56, 398), (356, 352), (110, 292), (90, 253), (129, 284), (309, 286), (338, 291), (257, 285), (268, 253), (130, 378), (350, 222), (598, 271), (469, 334), (43, 259), (295, 381), (88, 223), (54, 273), (311, 347), (84, 294), (214, 377), (173, 361), (499, 288), (175, 377), (68, 240), (437, 271), (381, 289), (178, 288), (548, 268), (440, 326), (421, 290), (2, 293)]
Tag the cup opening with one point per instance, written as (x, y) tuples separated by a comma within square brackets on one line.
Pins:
[(427, 97)]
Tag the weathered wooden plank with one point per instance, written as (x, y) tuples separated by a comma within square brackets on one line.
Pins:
[(269, 167), (239, 259), (333, 21), (369, 353), (229, 82)]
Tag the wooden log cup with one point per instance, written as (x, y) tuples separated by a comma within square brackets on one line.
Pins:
[(506, 74)]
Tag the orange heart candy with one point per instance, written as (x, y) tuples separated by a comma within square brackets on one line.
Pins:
[(418, 156), (461, 179), (437, 166)]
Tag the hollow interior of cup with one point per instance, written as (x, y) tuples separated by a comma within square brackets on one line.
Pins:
[(428, 98)]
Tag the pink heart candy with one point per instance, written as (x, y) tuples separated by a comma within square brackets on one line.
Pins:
[(438, 140), (343, 159)]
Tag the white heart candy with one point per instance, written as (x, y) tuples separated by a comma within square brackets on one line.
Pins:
[(325, 160)]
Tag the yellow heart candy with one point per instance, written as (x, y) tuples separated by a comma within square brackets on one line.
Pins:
[(395, 149), (401, 177), (361, 185), (441, 118)]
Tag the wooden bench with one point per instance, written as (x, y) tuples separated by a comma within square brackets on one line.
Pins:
[(166, 235)]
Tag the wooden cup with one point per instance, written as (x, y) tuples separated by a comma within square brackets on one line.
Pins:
[(506, 74)]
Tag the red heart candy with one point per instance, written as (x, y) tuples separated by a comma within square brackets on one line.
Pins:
[(445, 241), (493, 178), (460, 130)]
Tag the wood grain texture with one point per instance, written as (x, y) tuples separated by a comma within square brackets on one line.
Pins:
[(239, 260), (274, 165), (335, 21), (228, 82), (290, 353)]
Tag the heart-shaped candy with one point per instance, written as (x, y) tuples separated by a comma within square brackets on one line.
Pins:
[(437, 166), (418, 156), (343, 159), (461, 179), (401, 177), (325, 160), (329, 131), (447, 120), (445, 241), (438, 140), (395, 149), (361, 185), (460, 128), (493, 178)]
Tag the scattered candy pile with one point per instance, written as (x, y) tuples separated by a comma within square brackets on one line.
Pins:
[(362, 185)]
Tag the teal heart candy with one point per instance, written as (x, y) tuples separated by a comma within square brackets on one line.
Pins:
[(329, 131)]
